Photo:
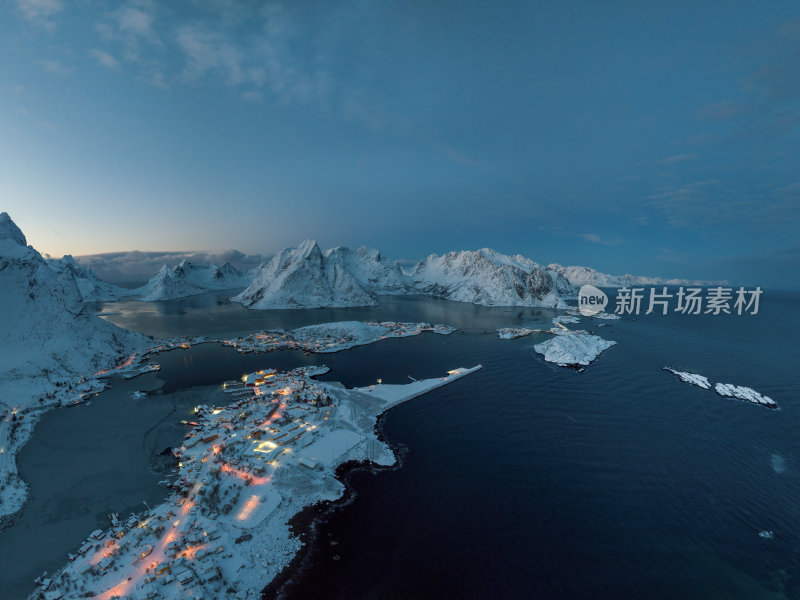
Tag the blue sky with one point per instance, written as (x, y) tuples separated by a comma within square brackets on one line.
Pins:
[(627, 136)]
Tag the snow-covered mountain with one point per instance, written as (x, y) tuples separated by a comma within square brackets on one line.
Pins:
[(189, 279), (373, 271), (307, 277), (47, 333), (579, 276), (91, 287), (489, 278)]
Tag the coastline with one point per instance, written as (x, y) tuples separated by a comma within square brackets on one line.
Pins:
[(306, 524), (173, 533)]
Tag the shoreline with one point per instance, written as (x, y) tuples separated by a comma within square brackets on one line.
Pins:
[(137, 364), (284, 544), (306, 524)]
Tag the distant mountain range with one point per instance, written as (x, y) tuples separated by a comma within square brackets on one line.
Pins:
[(306, 276), (579, 276), (189, 279)]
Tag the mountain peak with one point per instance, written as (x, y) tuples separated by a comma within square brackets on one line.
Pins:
[(308, 248), (10, 231)]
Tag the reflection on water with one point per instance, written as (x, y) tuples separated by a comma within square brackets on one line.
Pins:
[(213, 314)]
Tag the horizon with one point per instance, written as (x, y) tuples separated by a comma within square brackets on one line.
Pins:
[(137, 266), (630, 139)]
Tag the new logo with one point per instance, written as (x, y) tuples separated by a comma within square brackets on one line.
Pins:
[(591, 300)]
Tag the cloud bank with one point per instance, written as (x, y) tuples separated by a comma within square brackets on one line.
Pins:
[(135, 267)]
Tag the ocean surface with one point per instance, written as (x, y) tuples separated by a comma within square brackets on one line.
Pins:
[(522, 480)]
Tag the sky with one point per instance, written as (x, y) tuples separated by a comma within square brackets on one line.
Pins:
[(650, 138)]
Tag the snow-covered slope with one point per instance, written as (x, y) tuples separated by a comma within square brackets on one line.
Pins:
[(189, 279), (306, 277), (48, 338), (373, 271), (91, 287), (47, 332), (489, 278), (572, 348), (579, 276)]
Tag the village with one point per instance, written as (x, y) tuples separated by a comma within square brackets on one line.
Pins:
[(243, 470), (332, 337)]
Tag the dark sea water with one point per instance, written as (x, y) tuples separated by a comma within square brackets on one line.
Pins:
[(524, 479)]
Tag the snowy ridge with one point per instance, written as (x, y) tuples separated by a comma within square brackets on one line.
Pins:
[(307, 277), (579, 276), (189, 279), (48, 338), (489, 278), (92, 288), (373, 271)]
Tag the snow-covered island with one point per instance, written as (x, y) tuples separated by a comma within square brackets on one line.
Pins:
[(512, 333), (727, 390), (567, 348), (691, 378), (332, 337), (245, 470), (572, 348)]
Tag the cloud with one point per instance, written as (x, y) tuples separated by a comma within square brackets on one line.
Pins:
[(720, 111), (138, 267), (135, 21), (208, 51), (678, 158), (686, 205), (596, 239), (670, 255), (40, 11), (253, 96), (104, 58), (769, 106), (54, 66)]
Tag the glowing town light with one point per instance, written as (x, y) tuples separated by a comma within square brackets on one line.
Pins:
[(265, 447), (248, 508)]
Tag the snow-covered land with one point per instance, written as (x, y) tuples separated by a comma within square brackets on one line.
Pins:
[(245, 470), (92, 288), (308, 277), (511, 333), (489, 278), (579, 276), (744, 393), (692, 378), (727, 390), (332, 337), (49, 343), (189, 279), (570, 348), (567, 347)]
